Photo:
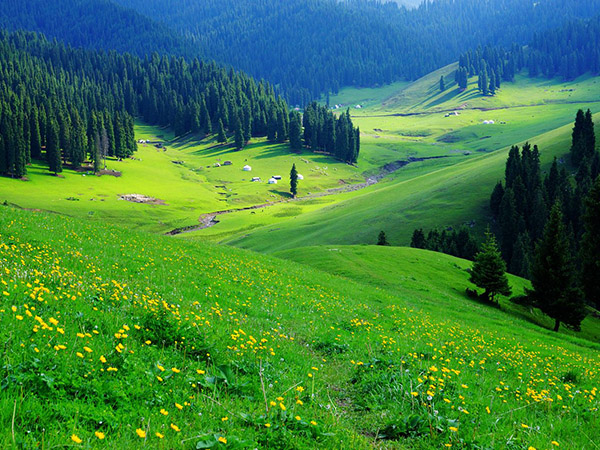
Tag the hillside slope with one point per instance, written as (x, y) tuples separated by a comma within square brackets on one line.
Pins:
[(120, 339), (449, 191)]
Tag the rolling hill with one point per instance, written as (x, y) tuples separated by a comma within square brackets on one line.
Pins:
[(127, 339)]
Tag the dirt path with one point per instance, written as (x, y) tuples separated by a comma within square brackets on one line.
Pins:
[(210, 219)]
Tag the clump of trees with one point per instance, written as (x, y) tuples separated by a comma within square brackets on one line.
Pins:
[(336, 136), (548, 226), (461, 243)]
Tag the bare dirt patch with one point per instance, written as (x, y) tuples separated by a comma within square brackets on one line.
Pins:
[(139, 198)]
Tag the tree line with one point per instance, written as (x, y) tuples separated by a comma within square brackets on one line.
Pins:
[(461, 243)]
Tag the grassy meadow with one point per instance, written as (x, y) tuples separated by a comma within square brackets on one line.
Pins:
[(114, 338), (450, 191)]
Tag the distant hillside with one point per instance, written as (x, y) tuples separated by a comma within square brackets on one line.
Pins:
[(99, 24), (311, 46)]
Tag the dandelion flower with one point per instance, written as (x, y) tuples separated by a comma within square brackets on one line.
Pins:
[(158, 435), (267, 425), (99, 435), (141, 433), (76, 439), (175, 427), (178, 406), (222, 440), (453, 429), (555, 443), (164, 412), (313, 423), (282, 406)]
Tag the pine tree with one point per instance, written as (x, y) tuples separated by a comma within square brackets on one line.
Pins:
[(238, 136), (553, 275), (221, 136), (489, 270), (52, 148), (382, 239), (294, 181), (418, 239), (442, 84), (295, 132), (590, 246)]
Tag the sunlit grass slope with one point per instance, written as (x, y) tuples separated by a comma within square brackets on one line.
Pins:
[(445, 196), (116, 339), (184, 178), (434, 280)]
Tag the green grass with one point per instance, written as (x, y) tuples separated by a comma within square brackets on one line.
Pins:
[(436, 193), (404, 271), (106, 330), (188, 189)]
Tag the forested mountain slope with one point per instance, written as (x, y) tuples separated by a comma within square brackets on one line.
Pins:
[(100, 24), (310, 46)]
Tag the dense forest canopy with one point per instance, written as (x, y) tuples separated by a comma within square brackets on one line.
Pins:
[(62, 100), (311, 46), (568, 51)]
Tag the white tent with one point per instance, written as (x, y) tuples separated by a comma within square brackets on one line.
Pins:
[(247, 168), (300, 177), (272, 181)]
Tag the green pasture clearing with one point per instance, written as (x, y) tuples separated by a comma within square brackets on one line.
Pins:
[(151, 342), (184, 178)]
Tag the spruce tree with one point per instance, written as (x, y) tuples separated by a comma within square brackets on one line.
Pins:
[(238, 136), (295, 132), (553, 275), (442, 84), (221, 136), (590, 246), (418, 239), (489, 270), (382, 239), (294, 181), (53, 148)]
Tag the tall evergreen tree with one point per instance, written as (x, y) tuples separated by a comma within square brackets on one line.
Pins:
[(442, 84), (382, 239), (294, 181), (418, 239), (553, 275), (295, 132), (53, 155), (590, 246), (221, 136), (489, 270)]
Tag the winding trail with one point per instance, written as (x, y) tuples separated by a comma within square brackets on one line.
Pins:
[(210, 219)]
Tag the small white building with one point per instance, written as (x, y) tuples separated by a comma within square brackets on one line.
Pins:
[(272, 181), (277, 177), (216, 165), (227, 163), (255, 179), (247, 168), (300, 177)]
